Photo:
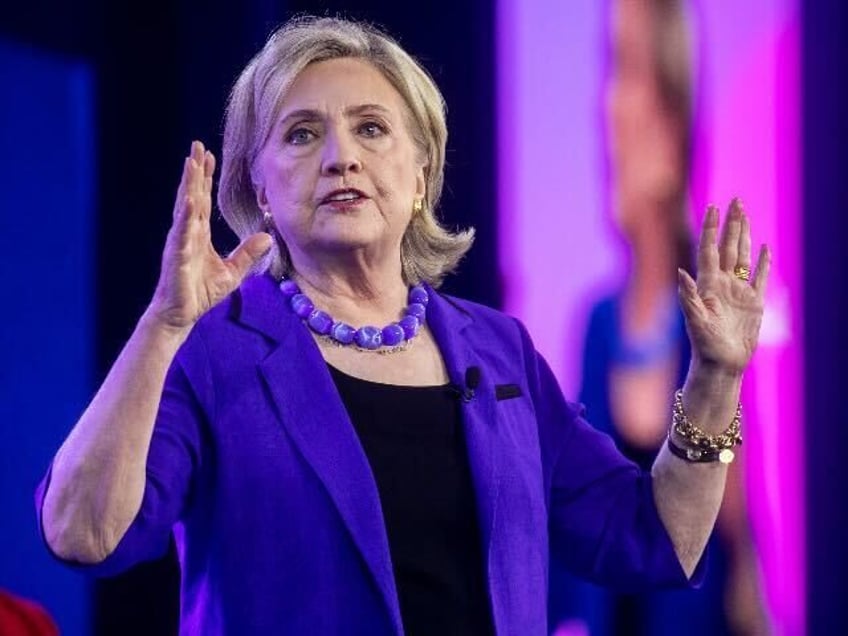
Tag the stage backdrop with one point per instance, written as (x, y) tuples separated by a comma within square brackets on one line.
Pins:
[(46, 322), (557, 250)]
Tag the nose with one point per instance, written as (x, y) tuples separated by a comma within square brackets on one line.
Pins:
[(341, 154)]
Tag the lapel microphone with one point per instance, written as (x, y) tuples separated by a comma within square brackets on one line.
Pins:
[(472, 381)]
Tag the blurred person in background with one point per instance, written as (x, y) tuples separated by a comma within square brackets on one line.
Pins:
[(636, 348)]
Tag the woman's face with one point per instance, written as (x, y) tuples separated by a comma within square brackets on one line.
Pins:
[(644, 139), (340, 171)]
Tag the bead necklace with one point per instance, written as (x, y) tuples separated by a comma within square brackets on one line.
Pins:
[(392, 338)]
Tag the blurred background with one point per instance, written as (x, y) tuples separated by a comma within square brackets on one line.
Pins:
[(586, 137)]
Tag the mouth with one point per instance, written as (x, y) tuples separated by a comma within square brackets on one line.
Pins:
[(344, 197)]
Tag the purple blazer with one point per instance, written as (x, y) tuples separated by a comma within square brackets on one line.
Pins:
[(256, 468)]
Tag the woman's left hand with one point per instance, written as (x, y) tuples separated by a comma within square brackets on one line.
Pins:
[(723, 309)]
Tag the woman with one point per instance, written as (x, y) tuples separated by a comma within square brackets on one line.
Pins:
[(636, 350), (316, 487)]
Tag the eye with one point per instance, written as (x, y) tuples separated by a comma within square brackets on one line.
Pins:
[(372, 129), (300, 136)]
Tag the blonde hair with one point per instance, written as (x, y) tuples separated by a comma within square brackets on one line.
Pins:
[(673, 67), (428, 251)]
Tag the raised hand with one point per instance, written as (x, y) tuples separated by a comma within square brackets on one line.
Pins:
[(723, 309), (194, 277)]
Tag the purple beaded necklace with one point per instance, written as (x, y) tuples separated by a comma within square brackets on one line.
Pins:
[(391, 338)]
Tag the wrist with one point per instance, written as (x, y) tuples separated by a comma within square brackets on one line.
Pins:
[(712, 369), (154, 324), (711, 394), (707, 380), (702, 445)]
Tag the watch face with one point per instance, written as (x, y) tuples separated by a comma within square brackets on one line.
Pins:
[(726, 456)]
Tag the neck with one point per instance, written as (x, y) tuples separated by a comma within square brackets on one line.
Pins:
[(354, 290), (652, 275)]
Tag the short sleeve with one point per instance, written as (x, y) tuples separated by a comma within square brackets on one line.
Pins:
[(173, 462)]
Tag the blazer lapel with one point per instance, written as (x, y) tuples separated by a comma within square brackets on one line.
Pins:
[(315, 418), (451, 326)]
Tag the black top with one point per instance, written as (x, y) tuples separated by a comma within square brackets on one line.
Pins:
[(415, 445)]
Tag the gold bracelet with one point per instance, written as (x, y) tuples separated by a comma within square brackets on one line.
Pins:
[(699, 439), (696, 455)]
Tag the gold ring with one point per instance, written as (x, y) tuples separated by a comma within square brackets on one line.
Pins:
[(742, 273)]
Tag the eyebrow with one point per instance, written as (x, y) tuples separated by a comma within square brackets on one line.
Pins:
[(307, 114)]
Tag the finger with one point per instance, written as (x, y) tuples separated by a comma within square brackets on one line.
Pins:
[(195, 175), (189, 180), (185, 225), (197, 162), (762, 273), (728, 247), (205, 197), (182, 188), (178, 241), (208, 172), (690, 299), (199, 186), (248, 253), (743, 258), (182, 216), (197, 151), (208, 164), (707, 251)]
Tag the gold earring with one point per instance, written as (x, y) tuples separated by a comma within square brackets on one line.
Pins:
[(269, 221), (418, 206)]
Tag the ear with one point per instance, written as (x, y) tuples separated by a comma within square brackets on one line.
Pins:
[(259, 189), (261, 196), (421, 182)]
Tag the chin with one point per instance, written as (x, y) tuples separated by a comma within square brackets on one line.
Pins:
[(346, 241)]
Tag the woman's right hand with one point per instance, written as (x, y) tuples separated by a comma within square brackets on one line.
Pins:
[(194, 277)]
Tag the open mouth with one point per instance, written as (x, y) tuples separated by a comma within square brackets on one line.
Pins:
[(346, 196)]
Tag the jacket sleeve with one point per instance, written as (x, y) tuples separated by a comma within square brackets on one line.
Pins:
[(173, 462), (603, 523)]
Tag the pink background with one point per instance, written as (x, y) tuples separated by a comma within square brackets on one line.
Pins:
[(557, 249)]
